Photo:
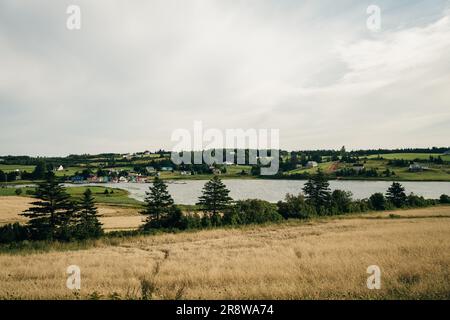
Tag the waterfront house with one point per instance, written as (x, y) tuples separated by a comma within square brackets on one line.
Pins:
[(311, 164), (416, 167)]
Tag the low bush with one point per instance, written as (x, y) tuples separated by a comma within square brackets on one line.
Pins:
[(295, 207), (251, 211), (13, 233)]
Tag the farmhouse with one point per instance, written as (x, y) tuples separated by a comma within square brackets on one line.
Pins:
[(358, 167), (416, 167), (150, 169), (60, 168), (311, 164)]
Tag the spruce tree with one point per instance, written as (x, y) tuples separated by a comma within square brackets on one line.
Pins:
[(214, 197), (396, 194), (158, 201), (52, 214), (317, 192), (88, 225)]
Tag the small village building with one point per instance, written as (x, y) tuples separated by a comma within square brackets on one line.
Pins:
[(123, 179), (358, 167), (416, 167), (60, 168), (311, 164), (167, 169), (93, 179)]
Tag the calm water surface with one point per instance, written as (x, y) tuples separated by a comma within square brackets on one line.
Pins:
[(187, 192)]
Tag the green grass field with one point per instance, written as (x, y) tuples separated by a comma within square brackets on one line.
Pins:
[(410, 156), (325, 166), (119, 197), (14, 167)]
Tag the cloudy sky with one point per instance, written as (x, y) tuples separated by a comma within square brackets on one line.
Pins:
[(137, 70)]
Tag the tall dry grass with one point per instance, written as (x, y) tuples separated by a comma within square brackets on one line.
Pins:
[(294, 260)]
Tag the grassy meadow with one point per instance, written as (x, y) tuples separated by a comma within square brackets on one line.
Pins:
[(318, 259), (115, 196), (410, 156)]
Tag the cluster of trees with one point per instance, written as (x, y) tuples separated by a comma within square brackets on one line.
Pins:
[(217, 209), (56, 216), (318, 199)]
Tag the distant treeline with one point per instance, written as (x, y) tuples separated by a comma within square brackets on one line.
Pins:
[(112, 159)]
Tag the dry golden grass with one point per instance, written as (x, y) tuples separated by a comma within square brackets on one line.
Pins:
[(113, 217), (294, 260), (10, 207)]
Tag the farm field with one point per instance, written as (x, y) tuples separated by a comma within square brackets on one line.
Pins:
[(113, 217), (114, 197), (410, 156), (14, 167), (318, 259)]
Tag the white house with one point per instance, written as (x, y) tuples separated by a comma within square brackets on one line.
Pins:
[(60, 168), (311, 164), (414, 167)]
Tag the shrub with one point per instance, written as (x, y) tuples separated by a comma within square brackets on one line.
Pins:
[(13, 233), (360, 206), (255, 211), (444, 198), (174, 219), (18, 191), (295, 207), (416, 201), (341, 201), (378, 201)]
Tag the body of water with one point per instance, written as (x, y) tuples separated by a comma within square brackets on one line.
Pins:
[(187, 192)]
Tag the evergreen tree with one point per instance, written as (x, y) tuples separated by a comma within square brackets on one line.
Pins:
[(214, 197), (158, 202), (88, 225), (396, 194), (39, 171), (378, 201), (51, 216), (317, 192)]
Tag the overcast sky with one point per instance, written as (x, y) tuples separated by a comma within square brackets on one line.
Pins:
[(137, 70)]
